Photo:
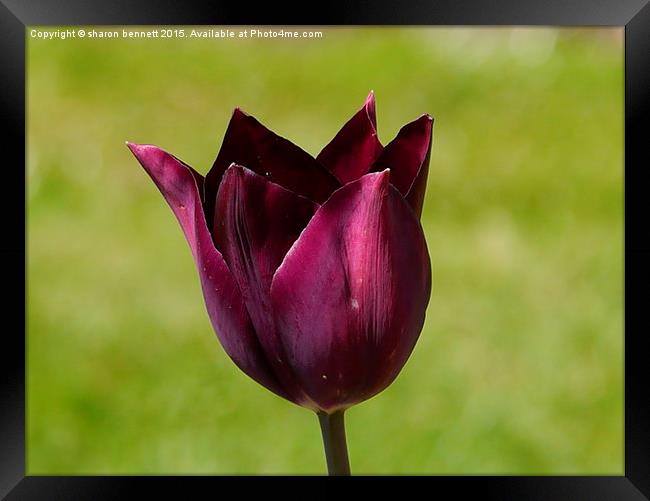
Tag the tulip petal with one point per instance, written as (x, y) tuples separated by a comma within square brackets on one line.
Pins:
[(180, 186), (407, 157), (350, 296), (256, 222), (247, 142), (356, 147)]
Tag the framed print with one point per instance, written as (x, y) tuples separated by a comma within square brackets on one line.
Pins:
[(378, 242)]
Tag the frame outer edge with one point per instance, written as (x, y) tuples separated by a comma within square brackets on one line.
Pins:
[(12, 251), (12, 394), (637, 249)]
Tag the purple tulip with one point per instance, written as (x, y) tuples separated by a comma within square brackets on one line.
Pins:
[(315, 271)]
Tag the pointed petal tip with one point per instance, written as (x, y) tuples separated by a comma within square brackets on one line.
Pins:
[(238, 169), (422, 123), (142, 150), (379, 180), (241, 171), (150, 155), (234, 166), (370, 107), (425, 119), (138, 146), (239, 113)]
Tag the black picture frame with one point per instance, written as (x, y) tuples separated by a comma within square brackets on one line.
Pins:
[(634, 15)]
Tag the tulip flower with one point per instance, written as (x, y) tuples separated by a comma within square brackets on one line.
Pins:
[(315, 271)]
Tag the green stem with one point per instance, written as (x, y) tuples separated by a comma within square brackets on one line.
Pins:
[(336, 450)]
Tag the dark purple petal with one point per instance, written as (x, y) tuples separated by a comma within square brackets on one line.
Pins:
[(356, 147), (180, 185), (256, 222), (247, 142), (407, 157), (350, 296)]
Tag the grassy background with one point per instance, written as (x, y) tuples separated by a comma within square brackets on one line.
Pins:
[(519, 366)]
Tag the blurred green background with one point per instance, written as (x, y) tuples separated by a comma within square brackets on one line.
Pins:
[(519, 366)]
